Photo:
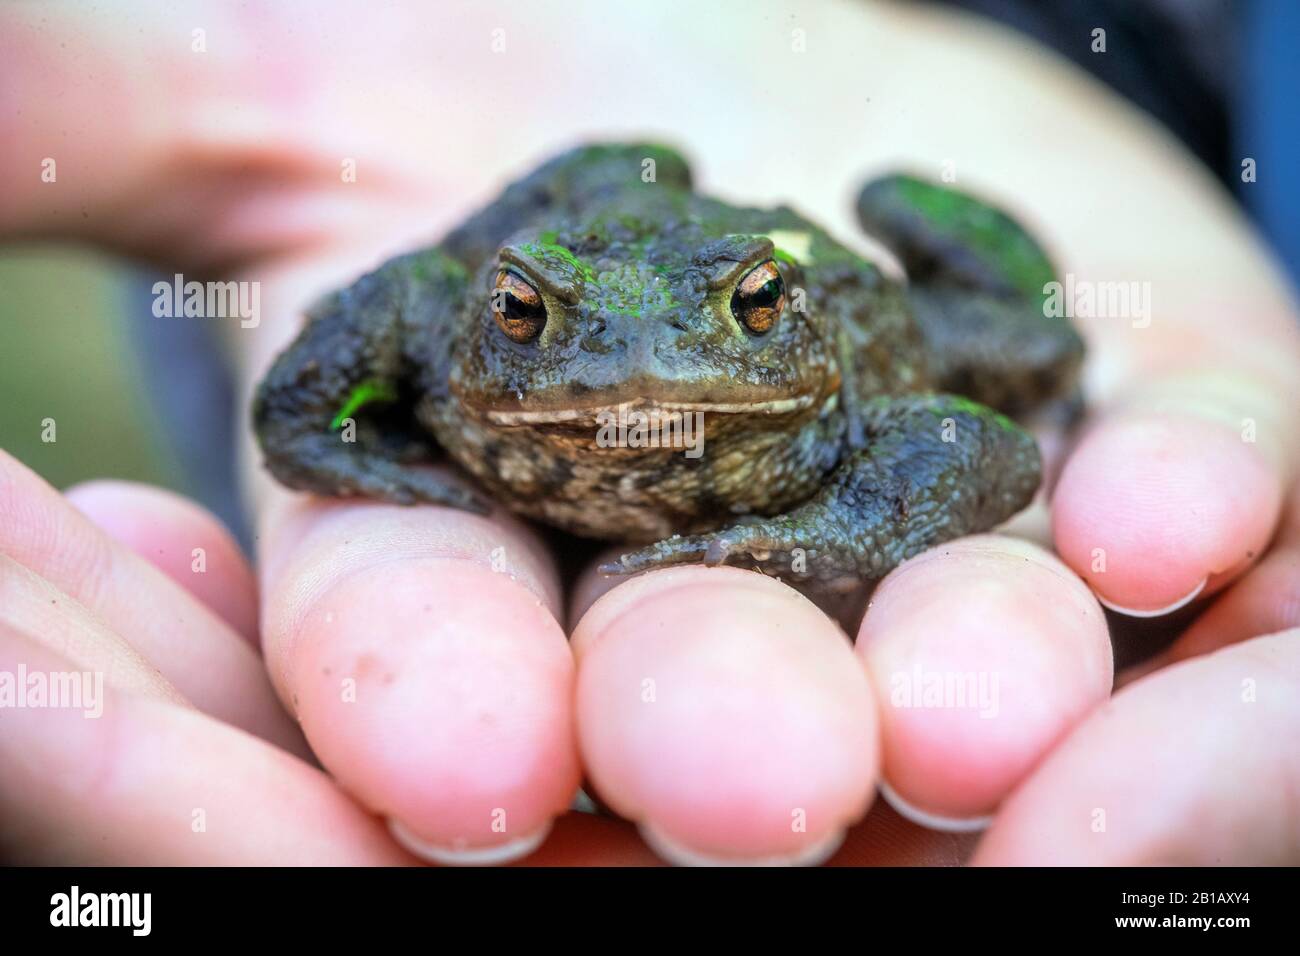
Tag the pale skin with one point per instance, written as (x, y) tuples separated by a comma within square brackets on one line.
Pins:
[(468, 699)]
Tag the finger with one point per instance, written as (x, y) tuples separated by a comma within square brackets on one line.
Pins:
[(1148, 779), (420, 650), (179, 538), (725, 715), (983, 652), (62, 625), (195, 650), (147, 782), (1265, 601), (1174, 492)]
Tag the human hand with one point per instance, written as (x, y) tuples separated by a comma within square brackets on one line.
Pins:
[(768, 733)]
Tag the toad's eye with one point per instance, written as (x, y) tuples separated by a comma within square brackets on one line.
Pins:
[(518, 307), (759, 299)]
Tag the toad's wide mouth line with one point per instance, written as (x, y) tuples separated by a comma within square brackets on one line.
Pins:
[(552, 416)]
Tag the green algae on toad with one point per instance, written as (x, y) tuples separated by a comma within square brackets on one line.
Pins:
[(849, 420)]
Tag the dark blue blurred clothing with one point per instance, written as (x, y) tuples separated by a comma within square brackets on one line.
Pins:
[(1267, 127), (184, 367)]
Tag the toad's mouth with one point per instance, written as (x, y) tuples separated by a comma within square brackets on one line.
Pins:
[(648, 407)]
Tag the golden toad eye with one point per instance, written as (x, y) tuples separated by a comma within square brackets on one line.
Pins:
[(759, 299), (518, 307)]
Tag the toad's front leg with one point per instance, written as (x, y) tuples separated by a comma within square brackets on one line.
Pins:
[(332, 414), (934, 468)]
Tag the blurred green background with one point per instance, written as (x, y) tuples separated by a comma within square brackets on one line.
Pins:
[(65, 354)]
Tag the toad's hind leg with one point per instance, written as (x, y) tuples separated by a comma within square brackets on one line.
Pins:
[(977, 288), (934, 468)]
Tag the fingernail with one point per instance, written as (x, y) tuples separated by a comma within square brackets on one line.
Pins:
[(678, 855), (1167, 609), (464, 855), (932, 821)]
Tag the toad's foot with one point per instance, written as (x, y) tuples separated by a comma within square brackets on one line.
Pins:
[(776, 547), (326, 466), (934, 468)]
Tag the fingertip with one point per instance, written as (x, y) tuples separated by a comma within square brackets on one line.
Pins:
[(982, 652), (1150, 505), (420, 649), (439, 693), (725, 714)]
